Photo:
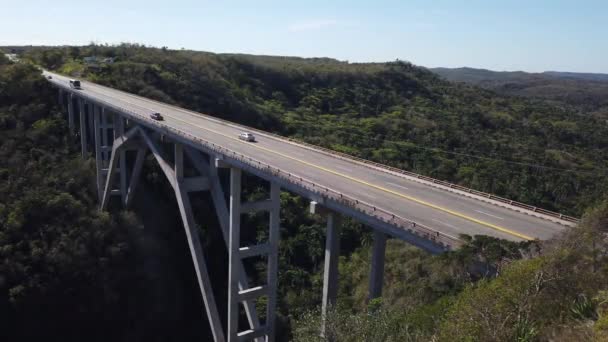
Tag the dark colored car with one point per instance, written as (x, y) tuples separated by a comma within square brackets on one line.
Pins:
[(156, 116), (75, 84)]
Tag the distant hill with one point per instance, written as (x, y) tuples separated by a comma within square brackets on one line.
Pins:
[(578, 75), (586, 91)]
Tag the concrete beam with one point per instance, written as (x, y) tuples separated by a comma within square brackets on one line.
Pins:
[(376, 274)]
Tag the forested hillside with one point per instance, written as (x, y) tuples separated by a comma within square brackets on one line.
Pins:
[(394, 113), (68, 271), (64, 266), (582, 92)]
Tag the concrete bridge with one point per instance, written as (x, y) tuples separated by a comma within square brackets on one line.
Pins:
[(192, 149)]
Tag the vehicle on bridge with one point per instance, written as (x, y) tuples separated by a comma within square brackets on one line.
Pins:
[(247, 136), (156, 116), (75, 84)]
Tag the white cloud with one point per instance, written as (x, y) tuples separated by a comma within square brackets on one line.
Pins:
[(312, 25)]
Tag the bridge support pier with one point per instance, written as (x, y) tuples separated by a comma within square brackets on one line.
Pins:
[(71, 113), (121, 144), (332, 257), (97, 143), (376, 275), (210, 169), (236, 293), (135, 174), (83, 128), (182, 186), (119, 132), (103, 154)]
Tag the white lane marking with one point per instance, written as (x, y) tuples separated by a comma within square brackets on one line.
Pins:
[(483, 212), (297, 154), (371, 196), (343, 168), (447, 224), (397, 185)]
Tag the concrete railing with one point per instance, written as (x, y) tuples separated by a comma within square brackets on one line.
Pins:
[(426, 178), (384, 167), (446, 241)]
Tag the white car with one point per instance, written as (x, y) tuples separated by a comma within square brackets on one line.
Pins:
[(247, 136)]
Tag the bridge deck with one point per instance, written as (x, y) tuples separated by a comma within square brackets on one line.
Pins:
[(447, 212)]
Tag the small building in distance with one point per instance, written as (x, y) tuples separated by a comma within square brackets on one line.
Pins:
[(96, 62)]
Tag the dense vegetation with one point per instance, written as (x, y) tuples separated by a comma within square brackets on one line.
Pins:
[(84, 267), (560, 295), (67, 271), (586, 93), (56, 249), (394, 113)]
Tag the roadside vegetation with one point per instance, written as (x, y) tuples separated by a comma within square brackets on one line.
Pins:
[(83, 267)]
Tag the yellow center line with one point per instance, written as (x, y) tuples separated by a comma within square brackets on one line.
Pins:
[(413, 199), (419, 201)]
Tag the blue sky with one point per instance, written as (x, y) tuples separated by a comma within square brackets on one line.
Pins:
[(533, 35)]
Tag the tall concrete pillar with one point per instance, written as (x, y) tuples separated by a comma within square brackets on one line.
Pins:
[(105, 146), (83, 129), (233, 253), (71, 113), (330, 274), (376, 275), (273, 259), (119, 130), (210, 169), (91, 125), (196, 249), (98, 156)]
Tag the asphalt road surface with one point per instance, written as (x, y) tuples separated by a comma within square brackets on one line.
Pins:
[(444, 211)]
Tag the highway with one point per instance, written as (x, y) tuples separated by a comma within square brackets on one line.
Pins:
[(448, 212)]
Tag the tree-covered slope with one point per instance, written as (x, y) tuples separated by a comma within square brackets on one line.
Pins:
[(583, 92), (68, 271), (394, 113)]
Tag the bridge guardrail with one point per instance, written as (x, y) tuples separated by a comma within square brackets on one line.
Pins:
[(446, 241), (426, 178), (377, 165)]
